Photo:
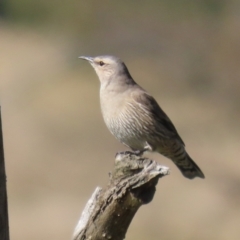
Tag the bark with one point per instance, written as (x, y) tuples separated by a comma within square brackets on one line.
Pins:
[(4, 231), (110, 211)]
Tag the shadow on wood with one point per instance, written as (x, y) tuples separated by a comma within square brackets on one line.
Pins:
[(110, 211)]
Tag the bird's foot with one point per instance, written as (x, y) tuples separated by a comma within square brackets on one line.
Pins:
[(138, 153), (124, 153)]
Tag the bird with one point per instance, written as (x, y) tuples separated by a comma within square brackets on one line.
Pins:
[(134, 117)]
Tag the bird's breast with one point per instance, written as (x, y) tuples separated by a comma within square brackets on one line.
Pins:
[(125, 120)]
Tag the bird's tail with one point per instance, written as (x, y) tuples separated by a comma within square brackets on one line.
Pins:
[(188, 167)]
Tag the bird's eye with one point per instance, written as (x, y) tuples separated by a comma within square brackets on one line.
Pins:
[(101, 63)]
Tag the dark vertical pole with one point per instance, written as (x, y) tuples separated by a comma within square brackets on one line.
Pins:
[(4, 229)]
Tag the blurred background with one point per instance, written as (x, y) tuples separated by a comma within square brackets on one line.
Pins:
[(57, 148)]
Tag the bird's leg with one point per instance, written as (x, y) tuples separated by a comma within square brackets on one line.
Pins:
[(146, 148), (134, 152), (125, 153), (139, 153)]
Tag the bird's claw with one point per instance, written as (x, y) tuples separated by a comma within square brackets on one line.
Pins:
[(136, 152), (124, 153)]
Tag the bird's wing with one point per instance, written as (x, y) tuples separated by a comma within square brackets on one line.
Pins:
[(164, 125)]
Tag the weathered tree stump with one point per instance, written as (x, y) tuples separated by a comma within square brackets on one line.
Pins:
[(110, 211)]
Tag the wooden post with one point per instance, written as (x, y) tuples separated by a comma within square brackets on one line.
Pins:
[(4, 229), (110, 211)]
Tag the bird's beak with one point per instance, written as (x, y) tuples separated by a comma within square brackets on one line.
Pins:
[(90, 59)]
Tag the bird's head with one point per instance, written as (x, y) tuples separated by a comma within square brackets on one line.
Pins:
[(108, 68)]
